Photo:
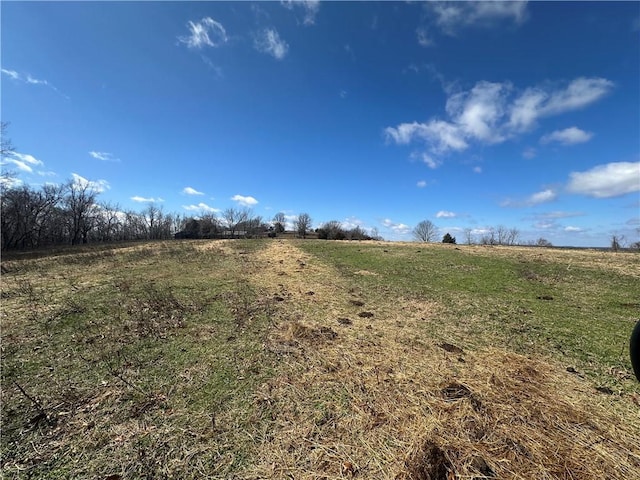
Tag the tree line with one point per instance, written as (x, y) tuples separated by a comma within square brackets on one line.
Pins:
[(426, 231)]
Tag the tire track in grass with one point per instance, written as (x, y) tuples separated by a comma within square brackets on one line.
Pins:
[(372, 396)]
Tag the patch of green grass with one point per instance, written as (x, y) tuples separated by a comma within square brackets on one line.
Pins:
[(138, 362), (531, 303)]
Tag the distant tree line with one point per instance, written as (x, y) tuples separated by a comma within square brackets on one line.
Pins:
[(426, 231), (70, 213)]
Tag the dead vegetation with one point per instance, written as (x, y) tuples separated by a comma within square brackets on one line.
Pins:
[(261, 363), (382, 400)]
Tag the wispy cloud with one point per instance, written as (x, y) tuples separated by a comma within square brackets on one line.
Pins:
[(529, 153), (604, 181), (557, 214), (421, 184), (11, 73), (426, 159), (97, 186), (451, 17), (103, 156), (140, 199), (309, 8), (205, 33), (191, 191), (22, 161), (245, 201), (30, 80), (491, 113), (568, 136), (268, 41), (422, 35), (537, 198), (537, 102), (446, 214), (201, 207), (477, 169), (571, 229)]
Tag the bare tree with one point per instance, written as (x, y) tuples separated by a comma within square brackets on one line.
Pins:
[(209, 226), (303, 224), (502, 234), (512, 236), (234, 217), (543, 242), (468, 235), (425, 231), (279, 222), (489, 238), (80, 200), (617, 242), (6, 147)]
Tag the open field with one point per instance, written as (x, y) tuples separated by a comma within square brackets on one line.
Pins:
[(317, 359)]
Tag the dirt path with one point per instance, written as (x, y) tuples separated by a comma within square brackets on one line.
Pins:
[(363, 390)]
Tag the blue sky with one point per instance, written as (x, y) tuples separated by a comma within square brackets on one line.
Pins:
[(382, 114)]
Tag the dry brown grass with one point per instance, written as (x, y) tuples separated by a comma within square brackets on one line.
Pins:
[(376, 398)]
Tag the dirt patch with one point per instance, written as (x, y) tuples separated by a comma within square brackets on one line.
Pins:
[(429, 462), (365, 314), (449, 347)]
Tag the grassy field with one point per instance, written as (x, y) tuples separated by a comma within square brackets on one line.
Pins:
[(315, 359)]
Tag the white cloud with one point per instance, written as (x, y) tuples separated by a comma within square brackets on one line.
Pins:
[(104, 156), (97, 186), (206, 32), (11, 73), (542, 197), (604, 181), (529, 153), (477, 169), (191, 191), (245, 201), (478, 111), (445, 214), (399, 228), (572, 229), (426, 158), (423, 37), (537, 198), (542, 225), (22, 166), (309, 7), (452, 16), (443, 136), (421, 184), (140, 199), (578, 94), (351, 222), (22, 161), (30, 159), (537, 102), (201, 207), (568, 136), (269, 41), (491, 113)]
